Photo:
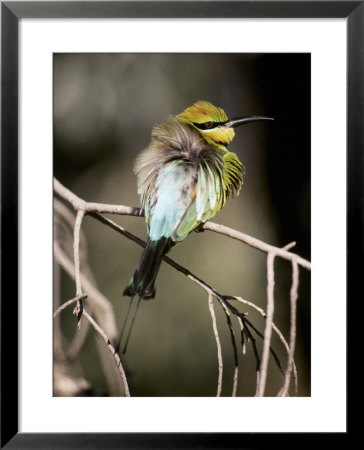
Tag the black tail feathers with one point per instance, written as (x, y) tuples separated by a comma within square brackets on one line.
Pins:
[(144, 279)]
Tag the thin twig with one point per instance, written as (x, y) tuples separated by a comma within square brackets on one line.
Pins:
[(218, 344), (292, 338), (245, 330), (111, 350), (76, 250), (276, 359), (256, 243), (68, 303), (242, 341), (76, 255), (268, 324), (96, 298), (278, 332), (93, 293), (168, 260), (244, 321), (233, 343), (289, 246), (103, 312)]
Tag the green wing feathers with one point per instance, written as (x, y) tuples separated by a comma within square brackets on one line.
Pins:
[(213, 188), (233, 174)]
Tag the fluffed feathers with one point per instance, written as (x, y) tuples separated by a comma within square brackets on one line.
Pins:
[(183, 181)]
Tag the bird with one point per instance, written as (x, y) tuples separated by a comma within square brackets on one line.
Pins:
[(184, 177)]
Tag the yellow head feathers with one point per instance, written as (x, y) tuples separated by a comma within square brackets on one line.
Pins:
[(203, 111), (209, 120)]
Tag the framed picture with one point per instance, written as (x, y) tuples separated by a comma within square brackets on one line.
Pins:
[(82, 92)]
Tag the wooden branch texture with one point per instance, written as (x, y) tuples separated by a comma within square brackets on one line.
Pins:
[(96, 210)]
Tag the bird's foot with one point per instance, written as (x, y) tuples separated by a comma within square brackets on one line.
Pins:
[(199, 229)]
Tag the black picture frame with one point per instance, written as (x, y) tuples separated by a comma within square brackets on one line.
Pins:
[(11, 13)]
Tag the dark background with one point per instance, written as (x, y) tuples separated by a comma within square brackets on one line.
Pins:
[(105, 106)]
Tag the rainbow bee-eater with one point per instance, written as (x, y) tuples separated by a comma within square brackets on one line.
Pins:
[(184, 177)]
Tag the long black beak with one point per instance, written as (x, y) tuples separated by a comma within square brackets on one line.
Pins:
[(237, 121)]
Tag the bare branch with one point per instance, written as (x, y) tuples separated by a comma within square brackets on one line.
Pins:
[(245, 331), (207, 288), (90, 207), (268, 324), (256, 243), (114, 209), (68, 195), (94, 209), (68, 303), (292, 338), (111, 350), (76, 250), (289, 246), (76, 256), (80, 204), (168, 260), (233, 343), (103, 311), (276, 359), (218, 344), (280, 335), (242, 341), (93, 293)]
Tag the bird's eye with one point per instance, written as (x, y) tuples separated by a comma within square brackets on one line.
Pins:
[(206, 125)]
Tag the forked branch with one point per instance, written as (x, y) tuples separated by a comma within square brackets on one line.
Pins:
[(97, 209)]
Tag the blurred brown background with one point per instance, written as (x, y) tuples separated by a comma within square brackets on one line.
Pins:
[(105, 106)]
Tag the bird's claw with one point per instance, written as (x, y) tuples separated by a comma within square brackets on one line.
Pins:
[(200, 228)]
